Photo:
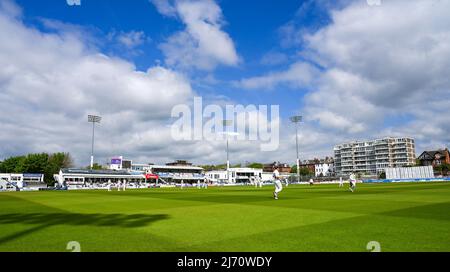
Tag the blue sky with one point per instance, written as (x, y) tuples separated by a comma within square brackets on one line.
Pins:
[(354, 70), (254, 26)]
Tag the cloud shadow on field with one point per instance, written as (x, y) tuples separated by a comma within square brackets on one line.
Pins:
[(437, 211), (44, 220)]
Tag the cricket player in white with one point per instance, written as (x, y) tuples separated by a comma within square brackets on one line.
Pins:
[(278, 185), (259, 181), (341, 182), (109, 185), (352, 182), (119, 184), (124, 184)]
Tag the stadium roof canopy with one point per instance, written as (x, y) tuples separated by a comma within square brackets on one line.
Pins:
[(178, 167), (94, 172)]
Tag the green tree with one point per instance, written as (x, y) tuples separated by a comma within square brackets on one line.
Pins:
[(304, 171), (256, 165), (9, 165), (33, 163), (213, 167), (220, 166), (443, 169), (207, 167), (42, 163), (96, 166), (382, 175), (294, 169), (55, 162), (418, 162)]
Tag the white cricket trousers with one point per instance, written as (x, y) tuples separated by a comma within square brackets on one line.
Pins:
[(278, 186)]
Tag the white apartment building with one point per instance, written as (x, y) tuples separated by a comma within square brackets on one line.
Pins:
[(372, 157)]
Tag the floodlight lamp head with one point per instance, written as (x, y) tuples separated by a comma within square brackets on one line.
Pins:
[(94, 119), (296, 119)]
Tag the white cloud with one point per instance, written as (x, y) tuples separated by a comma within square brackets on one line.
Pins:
[(49, 82), (10, 8), (203, 44), (274, 58), (298, 75), (377, 64), (132, 39), (165, 7)]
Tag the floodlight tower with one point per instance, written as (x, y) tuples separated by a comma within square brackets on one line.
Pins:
[(226, 124), (296, 120), (93, 119)]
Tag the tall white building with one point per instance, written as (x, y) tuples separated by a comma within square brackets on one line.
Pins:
[(372, 157)]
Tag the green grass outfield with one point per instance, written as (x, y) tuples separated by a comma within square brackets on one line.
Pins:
[(401, 217)]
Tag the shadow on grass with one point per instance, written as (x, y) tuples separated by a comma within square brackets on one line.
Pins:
[(44, 220), (437, 211)]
